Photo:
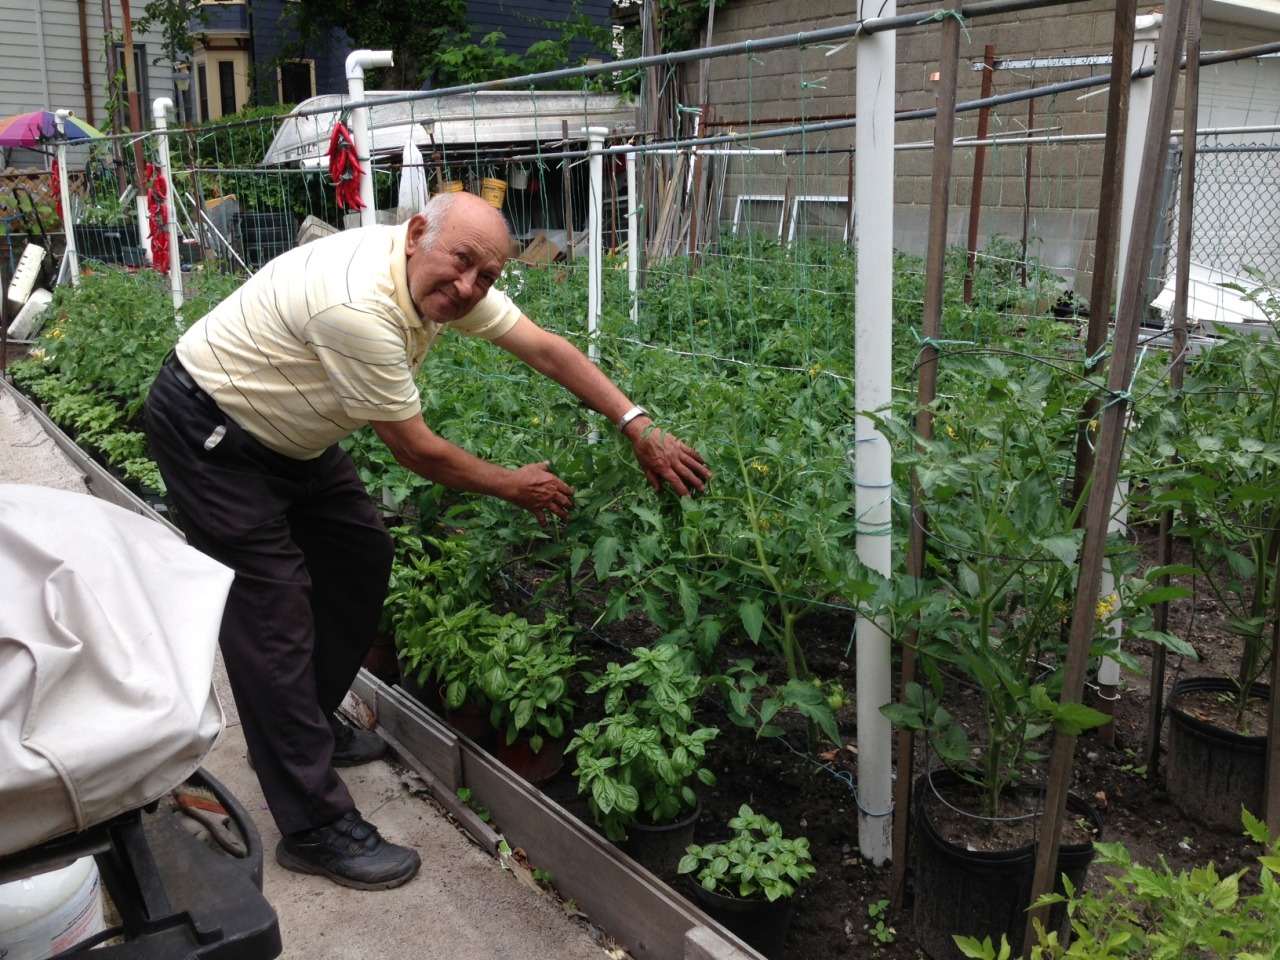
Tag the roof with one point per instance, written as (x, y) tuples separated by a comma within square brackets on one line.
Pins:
[(493, 120)]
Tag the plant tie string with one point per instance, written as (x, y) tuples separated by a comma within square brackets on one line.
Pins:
[(1126, 395), (939, 344), (344, 168), (940, 15)]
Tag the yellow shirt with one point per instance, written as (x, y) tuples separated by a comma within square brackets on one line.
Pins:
[(322, 340)]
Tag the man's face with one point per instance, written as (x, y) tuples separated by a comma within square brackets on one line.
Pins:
[(448, 279)]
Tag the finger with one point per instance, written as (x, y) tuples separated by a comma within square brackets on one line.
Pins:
[(677, 484), (539, 516)]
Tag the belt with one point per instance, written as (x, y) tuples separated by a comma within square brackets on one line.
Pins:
[(184, 379)]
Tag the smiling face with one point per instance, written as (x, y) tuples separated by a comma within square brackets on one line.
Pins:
[(452, 266)]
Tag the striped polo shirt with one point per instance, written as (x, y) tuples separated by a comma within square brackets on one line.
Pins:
[(322, 340)]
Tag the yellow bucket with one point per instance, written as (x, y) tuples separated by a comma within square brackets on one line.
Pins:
[(493, 190), (449, 186)]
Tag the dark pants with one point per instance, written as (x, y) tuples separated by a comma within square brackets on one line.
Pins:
[(312, 561)]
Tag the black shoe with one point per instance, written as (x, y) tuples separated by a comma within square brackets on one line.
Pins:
[(351, 852), (352, 747)]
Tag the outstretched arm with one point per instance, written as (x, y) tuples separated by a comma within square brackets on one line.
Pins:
[(416, 447), (661, 456)]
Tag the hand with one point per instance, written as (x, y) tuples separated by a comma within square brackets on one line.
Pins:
[(662, 457), (538, 490)]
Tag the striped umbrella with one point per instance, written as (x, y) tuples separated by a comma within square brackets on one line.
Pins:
[(39, 127)]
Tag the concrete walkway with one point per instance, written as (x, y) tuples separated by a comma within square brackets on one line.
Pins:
[(463, 905)]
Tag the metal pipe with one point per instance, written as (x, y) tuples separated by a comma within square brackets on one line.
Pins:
[(86, 73), (358, 61), (64, 191)]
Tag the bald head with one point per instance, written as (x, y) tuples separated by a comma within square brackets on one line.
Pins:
[(442, 207)]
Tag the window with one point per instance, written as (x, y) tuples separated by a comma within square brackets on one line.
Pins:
[(759, 213), (296, 80), (140, 62), (222, 82), (821, 216), (226, 88), (202, 92)]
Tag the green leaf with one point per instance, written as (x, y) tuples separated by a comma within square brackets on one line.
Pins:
[(751, 613)]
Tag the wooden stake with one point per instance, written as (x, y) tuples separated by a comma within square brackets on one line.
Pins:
[(1110, 443)]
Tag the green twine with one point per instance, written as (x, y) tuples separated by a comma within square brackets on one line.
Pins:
[(939, 344), (942, 15)]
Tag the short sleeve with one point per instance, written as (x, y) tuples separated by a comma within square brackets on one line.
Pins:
[(493, 317), (366, 357)]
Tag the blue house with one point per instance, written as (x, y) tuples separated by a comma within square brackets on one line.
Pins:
[(247, 52)]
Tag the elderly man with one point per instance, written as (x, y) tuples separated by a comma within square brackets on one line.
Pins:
[(244, 421)]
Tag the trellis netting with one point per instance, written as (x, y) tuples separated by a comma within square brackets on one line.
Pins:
[(740, 335)]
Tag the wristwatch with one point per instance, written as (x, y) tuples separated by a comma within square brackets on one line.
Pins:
[(631, 415)]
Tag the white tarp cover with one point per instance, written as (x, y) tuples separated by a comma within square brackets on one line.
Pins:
[(108, 626)]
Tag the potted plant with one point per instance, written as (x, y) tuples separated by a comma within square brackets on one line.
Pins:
[(749, 881), (638, 763), (525, 673), (988, 622), (106, 229), (1223, 482)]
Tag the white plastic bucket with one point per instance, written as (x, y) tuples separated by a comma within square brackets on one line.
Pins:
[(44, 915)]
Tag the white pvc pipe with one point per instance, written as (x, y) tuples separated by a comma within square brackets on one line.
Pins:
[(873, 366), (595, 245), (1146, 32), (633, 239), (1109, 669), (64, 191), (160, 108), (358, 61)]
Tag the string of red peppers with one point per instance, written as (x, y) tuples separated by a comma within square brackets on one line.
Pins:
[(157, 195), (344, 168)]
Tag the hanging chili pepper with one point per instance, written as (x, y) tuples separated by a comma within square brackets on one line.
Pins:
[(57, 187), (157, 195), (344, 168)]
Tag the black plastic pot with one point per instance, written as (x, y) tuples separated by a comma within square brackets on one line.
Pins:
[(1212, 772), (659, 847), (981, 893), (760, 923), (536, 767), (109, 243)]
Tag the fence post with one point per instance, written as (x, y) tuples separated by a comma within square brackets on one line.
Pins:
[(595, 246), (64, 191), (873, 365), (160, 113), (633, 238), (1146, 32)]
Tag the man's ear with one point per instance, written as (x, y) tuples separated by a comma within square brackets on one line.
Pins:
[(417, 230)]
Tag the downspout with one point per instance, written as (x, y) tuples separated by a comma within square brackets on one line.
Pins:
[(85, 72), (44, 66)]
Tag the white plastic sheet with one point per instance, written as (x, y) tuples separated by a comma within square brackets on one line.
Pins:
[(413, 181), (108, 627)]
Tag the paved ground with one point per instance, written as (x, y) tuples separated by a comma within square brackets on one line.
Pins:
[(463, 905)]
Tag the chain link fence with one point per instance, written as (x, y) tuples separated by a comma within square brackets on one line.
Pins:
[(1236, 212)]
